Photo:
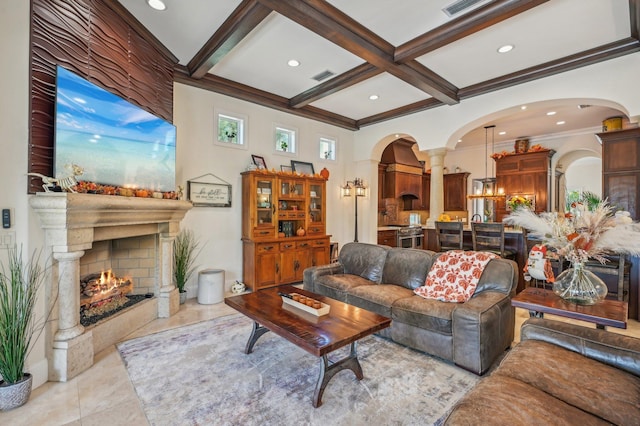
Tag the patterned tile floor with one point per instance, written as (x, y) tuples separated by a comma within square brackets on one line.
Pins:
[(103, 395)]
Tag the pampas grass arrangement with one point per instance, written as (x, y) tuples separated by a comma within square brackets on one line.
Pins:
[(583, 235)]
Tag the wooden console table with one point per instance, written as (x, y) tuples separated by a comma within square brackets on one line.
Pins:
[(612, 313)]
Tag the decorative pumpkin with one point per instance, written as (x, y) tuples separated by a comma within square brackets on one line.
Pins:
[(324, 173)]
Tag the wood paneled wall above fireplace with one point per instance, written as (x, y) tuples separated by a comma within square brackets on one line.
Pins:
[(102, 42)]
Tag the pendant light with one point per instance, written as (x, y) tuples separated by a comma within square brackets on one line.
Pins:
[(488, 183)]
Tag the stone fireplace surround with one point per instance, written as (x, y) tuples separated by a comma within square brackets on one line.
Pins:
[(72, 223)]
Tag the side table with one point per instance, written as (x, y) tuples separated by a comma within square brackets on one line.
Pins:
[(613, 313)]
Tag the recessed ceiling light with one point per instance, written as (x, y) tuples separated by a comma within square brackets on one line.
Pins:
[(293, 63), (157, 4), (523, 107), (397, 135), (506, 48), (502, 133), (551, 113), (373, 97), (560, 123)]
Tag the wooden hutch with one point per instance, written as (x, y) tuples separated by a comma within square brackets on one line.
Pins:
[(528, 173), (283, 227)]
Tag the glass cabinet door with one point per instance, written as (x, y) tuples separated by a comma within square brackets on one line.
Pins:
[(292, 189), (264, 202), (315, 202)]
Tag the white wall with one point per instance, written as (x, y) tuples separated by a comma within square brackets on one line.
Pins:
[(220, 228), (585, 174), (14, 133)]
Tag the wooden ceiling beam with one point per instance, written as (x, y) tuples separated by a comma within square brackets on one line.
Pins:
[(587, 57), (399, 112), (236, 90), (236, 27), (354, 76), (333, 25), (470, 23)]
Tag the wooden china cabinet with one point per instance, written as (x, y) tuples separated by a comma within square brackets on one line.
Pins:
[(283, 227)]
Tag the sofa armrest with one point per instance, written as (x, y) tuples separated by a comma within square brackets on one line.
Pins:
[(310, 275), (614, 349), (482, 329)]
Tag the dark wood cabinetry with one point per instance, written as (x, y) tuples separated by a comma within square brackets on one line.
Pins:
[(455, 191), (621, 169), (422, 203), (388, 238), (528, 173)]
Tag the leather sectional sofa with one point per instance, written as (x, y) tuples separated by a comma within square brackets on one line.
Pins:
[(559, 374), (382, 279)]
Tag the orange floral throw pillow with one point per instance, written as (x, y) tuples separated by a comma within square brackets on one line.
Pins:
[(454, 275)]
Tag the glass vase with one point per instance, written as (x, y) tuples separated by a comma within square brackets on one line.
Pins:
[(579, 285)]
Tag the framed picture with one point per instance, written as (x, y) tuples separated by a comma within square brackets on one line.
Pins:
[(205, 194), (259, 161), (302, 167), (286, 168)]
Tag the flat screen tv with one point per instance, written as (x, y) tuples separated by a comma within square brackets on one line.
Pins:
[(114, 141)]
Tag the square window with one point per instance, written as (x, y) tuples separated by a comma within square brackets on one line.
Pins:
[(327, 148), (231, 130), (285, 139)]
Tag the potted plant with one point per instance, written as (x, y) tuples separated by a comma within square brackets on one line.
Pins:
[(20, 282), (184, 256)]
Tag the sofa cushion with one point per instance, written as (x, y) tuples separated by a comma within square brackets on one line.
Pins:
[(503, 400), (455, 275), (377, 298), (407, 267), (592, 386), (364, 260), (336, 286), (423, 313)]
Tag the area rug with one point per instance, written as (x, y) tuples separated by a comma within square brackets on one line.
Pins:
[(199, 375)]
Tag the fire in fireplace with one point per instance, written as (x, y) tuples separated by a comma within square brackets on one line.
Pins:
[(102, 293)]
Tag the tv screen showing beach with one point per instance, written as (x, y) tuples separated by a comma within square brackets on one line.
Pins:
[(114, 141)]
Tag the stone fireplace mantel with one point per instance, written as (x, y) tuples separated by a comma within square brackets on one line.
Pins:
[(72, 223)]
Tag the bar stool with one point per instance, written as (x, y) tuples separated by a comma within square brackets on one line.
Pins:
[(618, 269), (449, 236), (490, 237)]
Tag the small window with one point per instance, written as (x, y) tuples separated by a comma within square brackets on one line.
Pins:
[(231, 130), (285, 140), (327, 148)]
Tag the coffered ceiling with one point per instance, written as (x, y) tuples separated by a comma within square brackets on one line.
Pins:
[(409, 53)]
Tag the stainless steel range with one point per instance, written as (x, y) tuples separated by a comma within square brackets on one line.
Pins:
[(410, 237)]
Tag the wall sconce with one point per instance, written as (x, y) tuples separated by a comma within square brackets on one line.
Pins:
[(358, 188)]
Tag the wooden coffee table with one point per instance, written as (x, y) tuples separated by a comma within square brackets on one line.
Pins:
[(344, 325), (540, 301)]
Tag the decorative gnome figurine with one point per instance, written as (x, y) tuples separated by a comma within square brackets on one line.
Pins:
[(538, 266)]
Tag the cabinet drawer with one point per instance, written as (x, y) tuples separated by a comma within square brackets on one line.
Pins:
[(290, 245), (303, 244), (267, 248), (291, 214), (320, 243), (264, 232), (315, 230)]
